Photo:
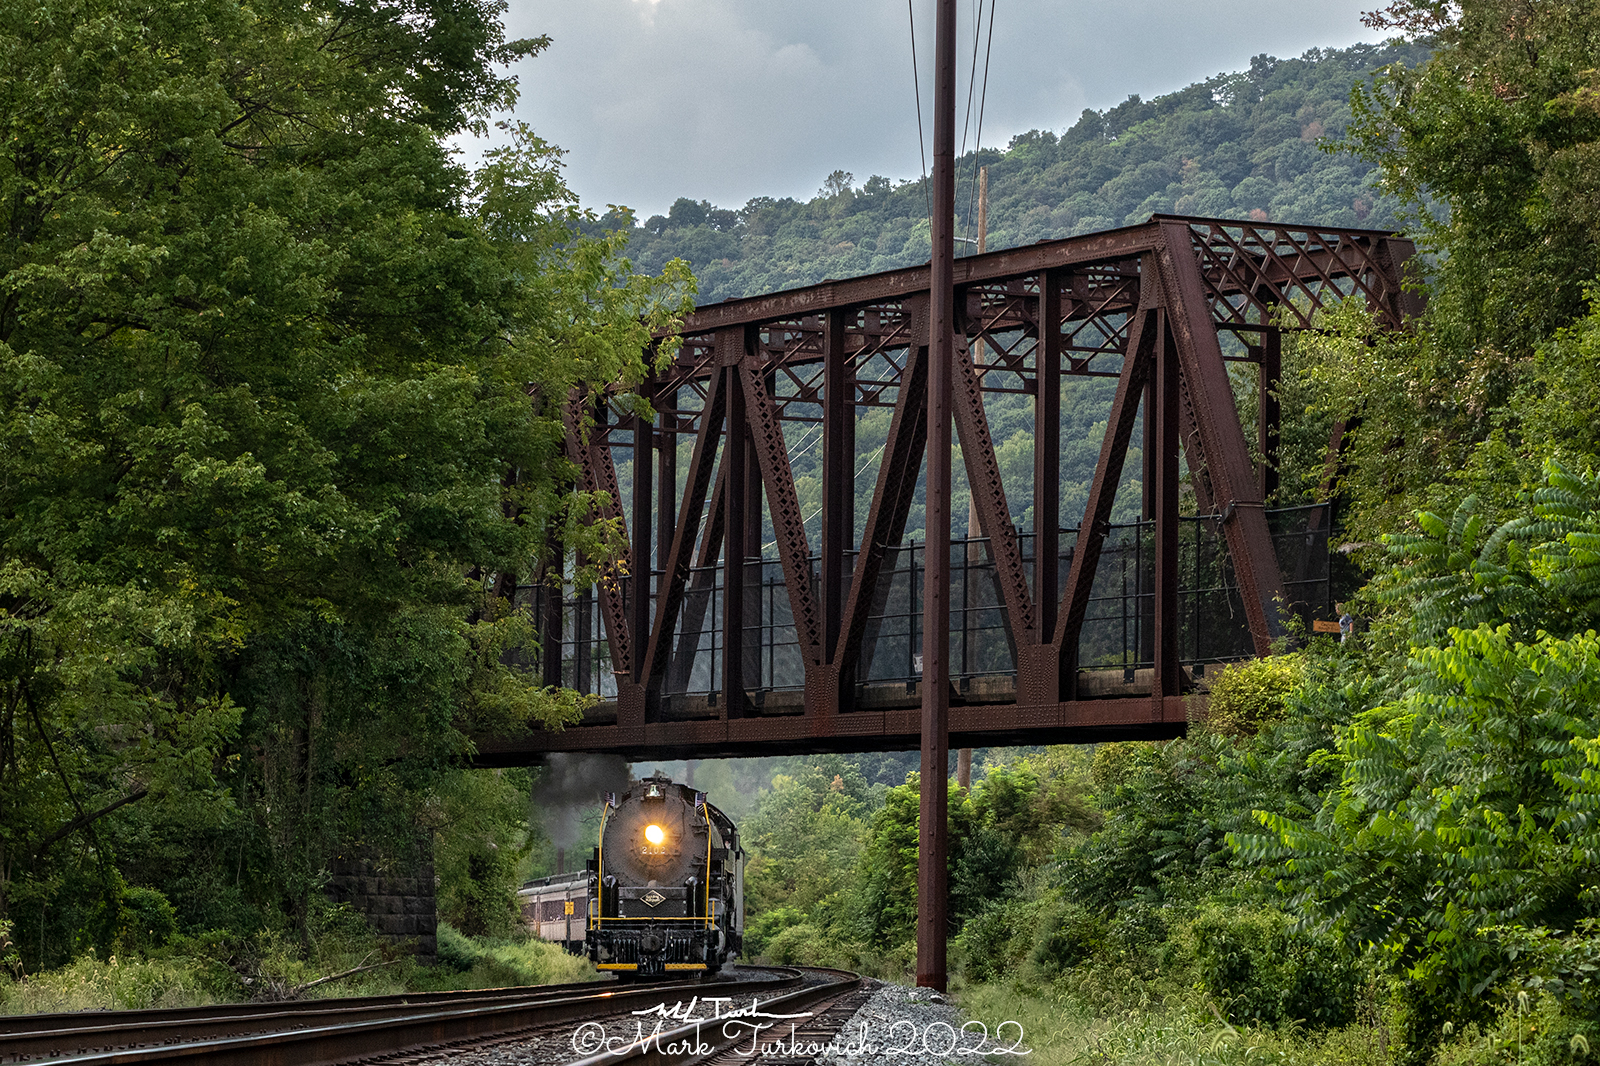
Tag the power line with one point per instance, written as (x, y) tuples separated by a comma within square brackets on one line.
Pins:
[(807, 519), (972, 76), (983, 100), (922, 144)]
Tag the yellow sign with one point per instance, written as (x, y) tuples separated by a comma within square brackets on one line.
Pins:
[(569, 909), (1319, 626)]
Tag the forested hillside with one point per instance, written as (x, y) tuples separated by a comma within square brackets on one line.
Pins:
[(1265, 143), (1251, 144)]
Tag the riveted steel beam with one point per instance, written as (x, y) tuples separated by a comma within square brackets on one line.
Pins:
[(838, 477), (989, 495), (891, 499), (788, 524), (597, 474), (735, 546), (1232, 475), (697, 592), (1047, 457), (675, 568), (1162, 417)]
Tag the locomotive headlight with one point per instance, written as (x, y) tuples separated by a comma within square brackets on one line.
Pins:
[(655, 834)]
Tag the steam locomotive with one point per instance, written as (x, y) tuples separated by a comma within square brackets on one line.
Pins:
[(664, 891)]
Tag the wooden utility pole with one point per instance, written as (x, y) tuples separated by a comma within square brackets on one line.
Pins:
[(974, 530), (933, 823), (983, 211)]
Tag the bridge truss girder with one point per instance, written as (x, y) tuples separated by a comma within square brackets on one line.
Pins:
[(1144, 304)]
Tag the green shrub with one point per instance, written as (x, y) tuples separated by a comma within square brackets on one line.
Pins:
[(1114, 764), (800, 945), (762, 928), (996, 940), (1259, 969), (454, 950), (1247, 696), (1073, 935), (145, 920)]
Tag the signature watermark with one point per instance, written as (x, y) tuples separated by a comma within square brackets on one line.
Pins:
[(756, 1032)]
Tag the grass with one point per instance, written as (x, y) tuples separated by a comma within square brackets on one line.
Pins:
[(173, 978), (111, 984), (499, 963), (1061, 1031)]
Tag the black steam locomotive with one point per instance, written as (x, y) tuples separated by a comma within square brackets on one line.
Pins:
[(664, 891)]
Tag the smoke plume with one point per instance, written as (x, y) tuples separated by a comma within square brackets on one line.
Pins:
[(571, 785)]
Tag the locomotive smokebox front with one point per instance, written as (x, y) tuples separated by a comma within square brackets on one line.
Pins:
[(651, 849)]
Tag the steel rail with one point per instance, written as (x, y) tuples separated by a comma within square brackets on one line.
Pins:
[(698, 1041), (63, 1020), (327, 1037)]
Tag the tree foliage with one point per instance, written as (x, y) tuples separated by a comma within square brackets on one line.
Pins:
[(1467, 804), (1460, 840), (277, 427), (1493, 144), (1501, 127)]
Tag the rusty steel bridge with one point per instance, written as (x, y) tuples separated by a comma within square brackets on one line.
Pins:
[(1067, 628)]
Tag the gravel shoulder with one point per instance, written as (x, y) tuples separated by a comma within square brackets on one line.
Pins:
[(919, 1027)]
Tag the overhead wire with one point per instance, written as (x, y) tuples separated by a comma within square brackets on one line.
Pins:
[(972, 75), (983, 99), (922, 148), (807, 519), (922, 142)]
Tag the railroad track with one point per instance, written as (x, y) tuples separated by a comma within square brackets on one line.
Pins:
[(336, 1032), (790, 1029)]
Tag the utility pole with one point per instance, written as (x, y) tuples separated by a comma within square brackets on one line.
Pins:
[(974, 530), (933, 824)]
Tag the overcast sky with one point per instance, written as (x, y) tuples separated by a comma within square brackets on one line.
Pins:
[(724, 100)]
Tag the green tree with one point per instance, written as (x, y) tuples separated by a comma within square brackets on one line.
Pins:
[(886, 882), (1501, 129), (1493, 145), (1465, 805), (807, 834), (278, 430)]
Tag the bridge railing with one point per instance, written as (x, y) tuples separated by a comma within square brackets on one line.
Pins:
[(1117, 632)]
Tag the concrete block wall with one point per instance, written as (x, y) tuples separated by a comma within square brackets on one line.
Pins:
[(398, 901)]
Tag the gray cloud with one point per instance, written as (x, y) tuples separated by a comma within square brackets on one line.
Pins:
[(728, 99)]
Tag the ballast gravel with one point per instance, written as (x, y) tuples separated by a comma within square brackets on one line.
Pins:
[(916, 1027)]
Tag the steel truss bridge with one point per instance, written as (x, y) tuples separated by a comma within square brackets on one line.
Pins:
[(704, 644)]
